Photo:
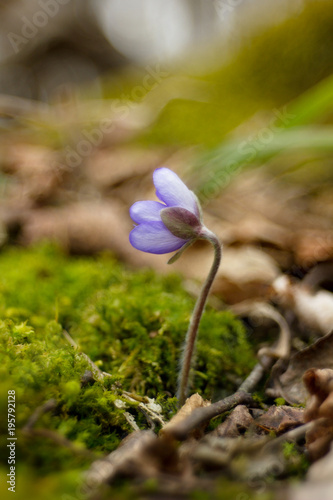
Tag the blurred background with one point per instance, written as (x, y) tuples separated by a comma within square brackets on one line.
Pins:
[(234, 95)]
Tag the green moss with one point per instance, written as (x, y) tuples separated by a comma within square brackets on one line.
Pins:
[(41, 284), (297, 462), (40, 367), (63, 485), (280, 401), (139, 336), (229, 490), (132, 324)]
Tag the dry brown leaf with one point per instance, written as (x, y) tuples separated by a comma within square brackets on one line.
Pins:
[(321, 470), (261, 312), (319, 384), (280, 419), (314, 309), (256, 228), (246, 273), (308, 491), (236, 423), (192, 403), (110, 167), (289, 384), (87, 228), (80, 227), (312, 246), (222, 451), (321, 275), (33, 168)]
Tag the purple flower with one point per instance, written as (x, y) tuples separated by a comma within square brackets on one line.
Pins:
[(168, 226)]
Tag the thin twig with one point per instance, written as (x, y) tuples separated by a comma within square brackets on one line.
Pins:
[(150, 421), (256, 374), (253, 379), (70, 340), (181, 430), (46, 407), (131, 396)]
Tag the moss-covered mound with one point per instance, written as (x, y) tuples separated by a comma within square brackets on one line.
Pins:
[(131, 324)]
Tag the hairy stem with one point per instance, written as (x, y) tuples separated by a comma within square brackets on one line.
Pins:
[(196, 316)]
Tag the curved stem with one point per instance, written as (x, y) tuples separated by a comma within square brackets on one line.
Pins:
[(196, 316)]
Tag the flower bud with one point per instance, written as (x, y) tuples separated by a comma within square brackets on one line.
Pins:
[(181, 222)]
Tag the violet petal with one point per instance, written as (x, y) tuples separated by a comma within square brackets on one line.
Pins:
[(154, 237), (171, 190), (145, 211)]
